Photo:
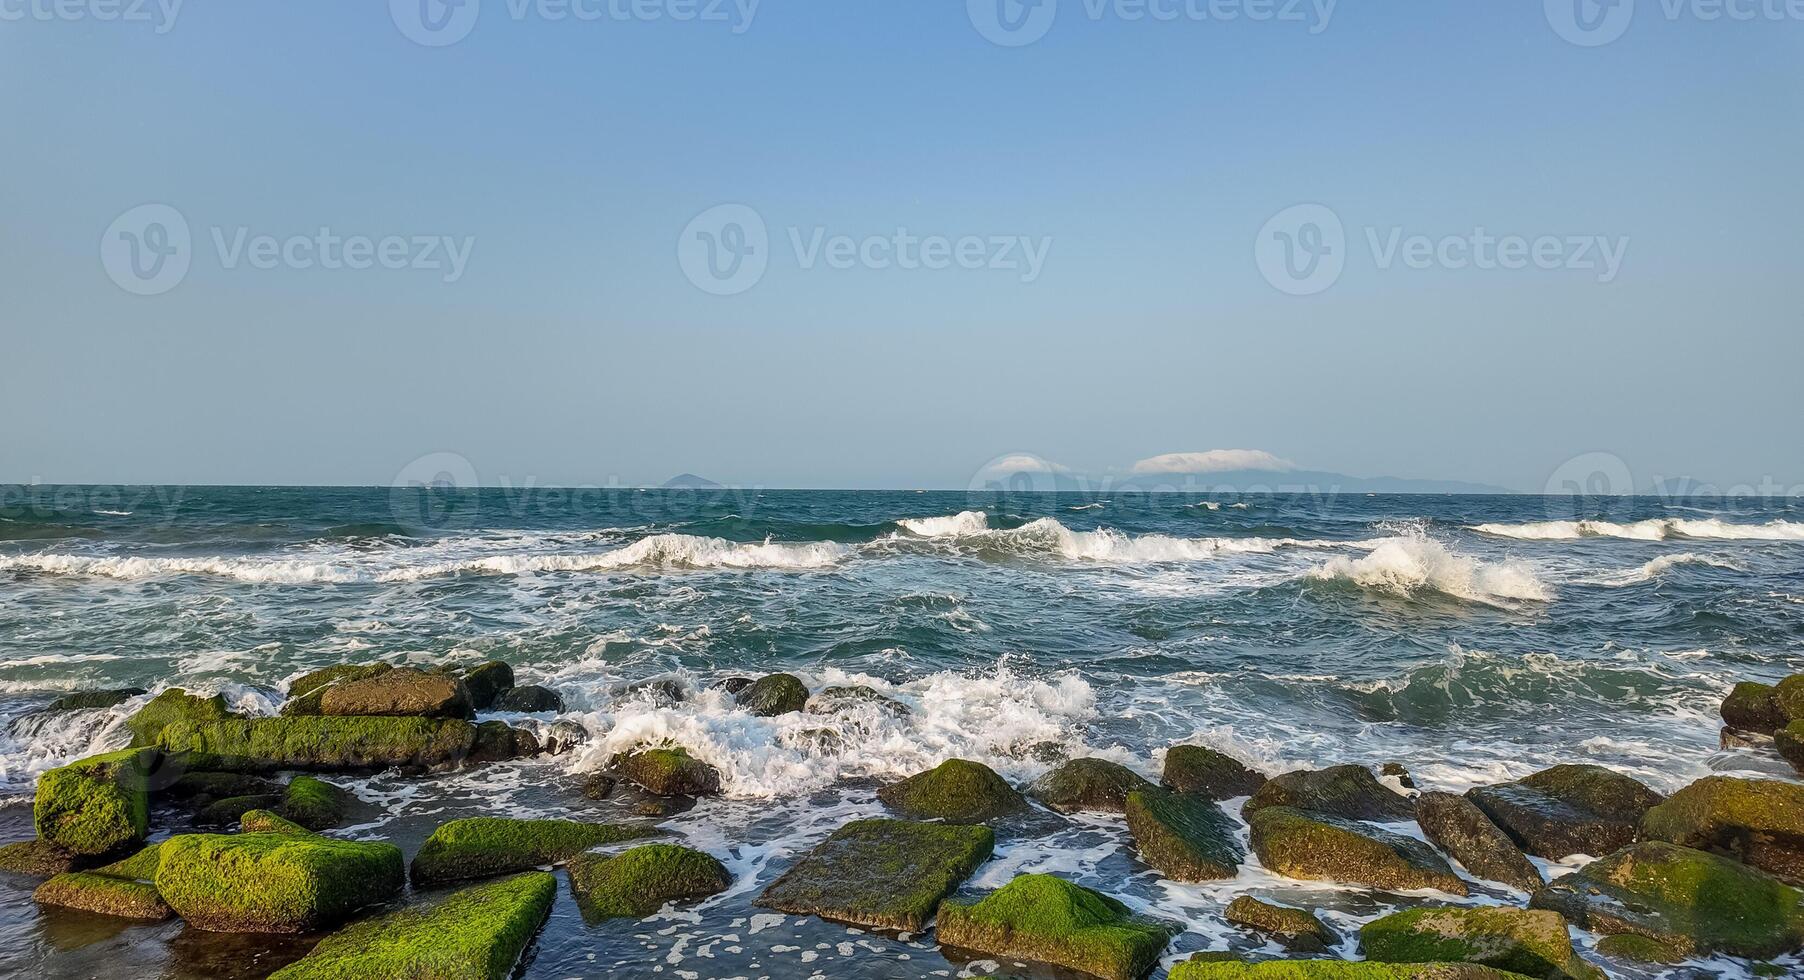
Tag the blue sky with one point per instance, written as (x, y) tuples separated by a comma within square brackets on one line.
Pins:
[(1143, 160)]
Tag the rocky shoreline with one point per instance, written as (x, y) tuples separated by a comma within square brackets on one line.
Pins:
[(1714, 869)]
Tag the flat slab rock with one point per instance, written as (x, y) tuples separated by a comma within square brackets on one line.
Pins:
[(1575, 809), (885, 874), (1758, 821), (1456, 825), (1186, 837), (1335, 970), (1352, 792), (1317, 847), (1047, 919)]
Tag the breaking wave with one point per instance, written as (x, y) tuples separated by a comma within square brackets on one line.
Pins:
[(1655, 529), (1413, 562), (1659, 566), (965, 522)]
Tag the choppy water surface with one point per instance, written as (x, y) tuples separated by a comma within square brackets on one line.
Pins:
[(1471, 638)]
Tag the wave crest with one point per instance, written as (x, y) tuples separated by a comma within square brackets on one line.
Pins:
[(1414, 562), (1653, 529)]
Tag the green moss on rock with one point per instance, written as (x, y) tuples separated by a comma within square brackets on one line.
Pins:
[(1186, 837), (37, 859), (1208, 773), (884, 874), (89, 700), (1300, 930), (1087, 784), (121, 889), (305, 691), (1639, 949), (1752, 707), (474, 934), (1318, 847), (481, 847), (1341, 791), (98, 804), (1572, 809), (274, 883), (636, 883), (1759, 821), (169, 707), (269, 822), (956, 790), (314, 803), (1789, 742), (1534, 943), (1337, 970), (1050, 920), (667, 772), (1788, 694), (224, 813), (319, 743), (201, 788), (774, 694)]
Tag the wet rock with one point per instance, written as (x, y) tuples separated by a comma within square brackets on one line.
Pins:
[(1046, 919), (1688, 900), (530, 697), (834, 699), (1341, 791), (1753, 707), (1639, 949), (667, 772), (321, 743), (275, 883), (1319, 847), (169, 707), (774, 694), (477, 933), (1735, 738), (957, 790), (882, 874), (88, 700), (99, 804), (122, 889), (734, 685), (663, 691), (1336, 970), (314, 803), (1572, 809), (1532, 943), (496, 741), (304, 692), (564, 736), (638, 882), (1456, 825), (1789, 741), (402, 692), (598, 786), (268, 822), (1760, 822), (820, 741), (1395, 770), (38, 859), (1299, 930), (226, 812), (1186, 837), (486, 681), (199, 789), (1088, 784), (1788, 694), (483, 847), (1206, 772)]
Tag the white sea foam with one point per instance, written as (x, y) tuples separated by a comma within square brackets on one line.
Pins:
[(1413, 562), (1654, 529), (1659, 566), (965, 522), (1046, 537)]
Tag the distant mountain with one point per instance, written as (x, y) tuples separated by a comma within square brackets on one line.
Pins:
[(689, 481), (1300, 481)]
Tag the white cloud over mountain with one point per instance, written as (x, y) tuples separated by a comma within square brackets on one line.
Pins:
[(1212, 461)]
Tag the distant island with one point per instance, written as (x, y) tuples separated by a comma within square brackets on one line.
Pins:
[(689, 481)]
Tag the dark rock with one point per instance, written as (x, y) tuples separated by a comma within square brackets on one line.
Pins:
[(1319, 847), (820, 741), (598, 786), (662, 691), (496, 741), (667, 772), (1299, 930), (1456, 825), (1088, 784), (774, 694), (1206, 772), (1735, 738), (226, 812), (1753, 707), (1789, 741), (86, 700), (882, 874), (198, 789), (831, 700), (957, 790), (1186, 837), (1399, 773), (1574, 809), (486, 681), (734, 685), (1341, 791), (1532, 943), (1639, 949), (638, 882), (530, 697), (1760, 822), (564, 736)]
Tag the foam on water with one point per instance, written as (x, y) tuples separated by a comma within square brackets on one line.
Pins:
[(1046, 537), (1413, 562), (1657, 567), (1655, 529), (965, 522)]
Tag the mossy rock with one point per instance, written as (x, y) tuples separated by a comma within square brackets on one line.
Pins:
[(91, 700), (1208, 773), (402, 692), (305, 691), (637, 882), (486, 682), (38, 859), (1299, 930), (226, 812), (321, 743), (1639, 949), (667, 772), (103, 894), (1318, 847), (1340, 791), (1456, 825), (1337, 970), (1752, 707), (1691, 900), (1572, 809), (882, 874), (314, 803), (198, 789), (529, 698), (1047, 919), (482, 847), (1533, 943), (1187, 838), (1789, 742), (773, 695), (169, 707), (268, 822), (98, 804), (1759, 821), (957, 790), (473, 934), (1091, 784), (274, 882), (496, 741)]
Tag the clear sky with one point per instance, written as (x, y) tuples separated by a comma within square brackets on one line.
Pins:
[(1136, 159)]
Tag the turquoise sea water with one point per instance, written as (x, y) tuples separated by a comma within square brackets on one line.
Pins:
[(1470, 638)]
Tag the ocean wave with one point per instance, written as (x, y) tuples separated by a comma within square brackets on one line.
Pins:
[(1413, 562), (964, 522), (1047, 537), (1659, 566), (1653, 529)]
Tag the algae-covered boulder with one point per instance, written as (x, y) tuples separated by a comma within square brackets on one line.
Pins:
[(481, 847), (270, 882), (304, 692), (497, 742), (198, 789), (89, 700), (1789, 742), (1087, 784), (1759, 821), (1206, 772), (1050, 920), (667, 772), (529, 698), (321, 743), (1572, 809), (1533, 943), (314, 803), (637, 882), (38, 859), (1456, 825), (486, 682), (224, 813), (1186, 837), (1689, 900), (956, 790), (122, 889), (98, 804), (169, 707), (1639, 949), (1340, 791), (473, 934), (1788, 694), (1299, 930), (774, 694), (883, 874), (269, 822), (1752, 707), (1336, 970), (402, 692), (1318, 847)]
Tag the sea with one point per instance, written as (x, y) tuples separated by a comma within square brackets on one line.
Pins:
[(1471, 639)]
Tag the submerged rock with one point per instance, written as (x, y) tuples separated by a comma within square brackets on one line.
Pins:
[(474, 934), (304, 692), (1318, 847), (1187, 838), (199, 789), (1688, 900), (661, 692), (1299, 930), (636, 883), (529, 698), (314, 803), (122, 889), (1341, 791), (88, 700), (496, 741), (482, 847), (564, 736), (774, 694), (1572, 809), (98, 804), (1752, 707), (667, 772), (486, 681), (1206, 772), (882, 874), (1088, 784), (402, 692), (1456, 825), (957, 790), (1336, 970), (1758, 821), (1050, 920), (834, 699), (322, 743), (277, 883), (172, 706), (1532, 943)]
